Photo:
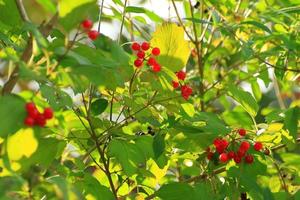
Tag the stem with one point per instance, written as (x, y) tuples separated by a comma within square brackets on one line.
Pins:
[(123, 20), (283, 183), (181, 23), (100, 15), (100, 151), (199, 54), (22, 10)]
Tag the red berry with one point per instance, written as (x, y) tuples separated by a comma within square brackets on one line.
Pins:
[(145, 46), (258, 146), (242, 132), (48, 113), (87, 24), (186, 91), (93, 35), (217, 142), (29, 121), (241, 153), (175, 84), (138, 62), (249, 159), (155, 51), (267, 152), (237, 159), (30, 106), (40, 120), (245, 146), (151, 61), (140, 54), (223, 157), (231, 154), (210, 155), (135, 46), (156, 67), (181, 75), (33, 113)]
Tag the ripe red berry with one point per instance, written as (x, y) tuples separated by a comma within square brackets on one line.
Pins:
[(223, 157), (135, 46), (40, 120), (245, 146), (33, 113), (181, 75), (186, 91), (156, 67), (48, 113), (155, 51), (30, 106), (151, 61), (237, 159), (93, 35), (145, 46), (29, 121), (87, 24), (242, 132), (249, 159), (175, 84), (241, 153), (231, 154), (258, 146), (138, 62), (210, 155), (140, 54)]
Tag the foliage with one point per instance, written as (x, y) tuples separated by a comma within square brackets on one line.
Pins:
[(124, 129)]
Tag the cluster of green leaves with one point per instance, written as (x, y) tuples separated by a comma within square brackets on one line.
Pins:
[(121, 132)]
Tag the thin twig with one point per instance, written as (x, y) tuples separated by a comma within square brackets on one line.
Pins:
[(123, 20)]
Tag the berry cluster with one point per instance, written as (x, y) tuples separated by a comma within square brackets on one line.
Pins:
[(34, 117), (142, 56), (236, 149), (186, 90), (87, 25)]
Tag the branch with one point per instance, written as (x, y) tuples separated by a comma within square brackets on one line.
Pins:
[(22, 10), (45, 30), (181, 23)]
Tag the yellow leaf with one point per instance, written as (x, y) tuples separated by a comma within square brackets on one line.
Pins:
[(275, 127), (22, 143), (174, 49)]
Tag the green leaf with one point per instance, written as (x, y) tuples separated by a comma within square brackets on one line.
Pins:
[(173, 47), (9, 13), (99, 106), (245, 99), (57, 98), (188, 109), (47, 5), (199, 21), (256, 90), (42, 155), (150, 14), (291, 121), (176, 191), (12, 114), (94, 188), (127, 154), (259, 25), (158, 145), (71, 12)]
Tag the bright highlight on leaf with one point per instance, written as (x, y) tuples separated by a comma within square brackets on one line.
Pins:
[(174, 49), (21, 144)]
